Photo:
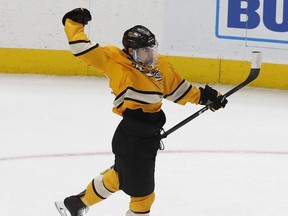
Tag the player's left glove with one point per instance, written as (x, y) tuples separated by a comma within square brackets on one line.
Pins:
[(212, 97), (79, 15)]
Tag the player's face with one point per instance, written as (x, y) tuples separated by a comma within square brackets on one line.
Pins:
[(146, 56)]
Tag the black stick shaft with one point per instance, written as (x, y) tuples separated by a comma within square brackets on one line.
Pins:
[(254, 72)]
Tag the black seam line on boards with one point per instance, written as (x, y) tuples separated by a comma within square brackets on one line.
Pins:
[(183, 95), (175, 89), (79, 41), (88, 50), (95, 191)]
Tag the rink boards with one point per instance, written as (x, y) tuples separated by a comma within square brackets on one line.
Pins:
[(194, 69)]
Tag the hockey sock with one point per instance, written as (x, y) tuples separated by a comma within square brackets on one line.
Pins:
[(101, 188), (142, 205)]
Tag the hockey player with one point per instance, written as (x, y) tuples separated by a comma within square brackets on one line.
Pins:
[(140, 79)]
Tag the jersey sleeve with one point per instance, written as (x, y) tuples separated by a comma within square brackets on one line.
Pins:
[(87, 51), (178, 89)]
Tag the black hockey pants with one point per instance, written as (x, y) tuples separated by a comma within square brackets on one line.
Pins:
[(135, 145)]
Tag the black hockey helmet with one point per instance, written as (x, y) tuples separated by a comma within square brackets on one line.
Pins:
[(138, 37)]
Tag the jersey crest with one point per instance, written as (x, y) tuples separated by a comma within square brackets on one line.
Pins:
[(152, 73)]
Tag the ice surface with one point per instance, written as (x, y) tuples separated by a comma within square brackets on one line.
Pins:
[(55, 137)]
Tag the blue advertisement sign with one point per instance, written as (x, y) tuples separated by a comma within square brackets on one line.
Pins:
[(252, 20)]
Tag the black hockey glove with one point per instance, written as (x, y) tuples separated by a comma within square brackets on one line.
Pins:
[(212, 97), (79, 15)]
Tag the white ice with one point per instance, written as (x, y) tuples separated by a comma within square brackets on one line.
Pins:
[(55, 135)]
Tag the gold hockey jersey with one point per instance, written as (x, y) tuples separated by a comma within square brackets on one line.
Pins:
[(134, 86)]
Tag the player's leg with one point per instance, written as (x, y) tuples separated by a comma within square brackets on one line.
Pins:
[(141, 205), (99, 189), (135, 146)]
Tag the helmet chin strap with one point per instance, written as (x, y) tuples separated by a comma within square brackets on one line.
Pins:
[(135, 55)]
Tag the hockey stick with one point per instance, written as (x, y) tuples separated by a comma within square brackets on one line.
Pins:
[(254, 72)]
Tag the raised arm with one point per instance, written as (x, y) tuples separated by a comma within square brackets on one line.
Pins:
[(80, 45)]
